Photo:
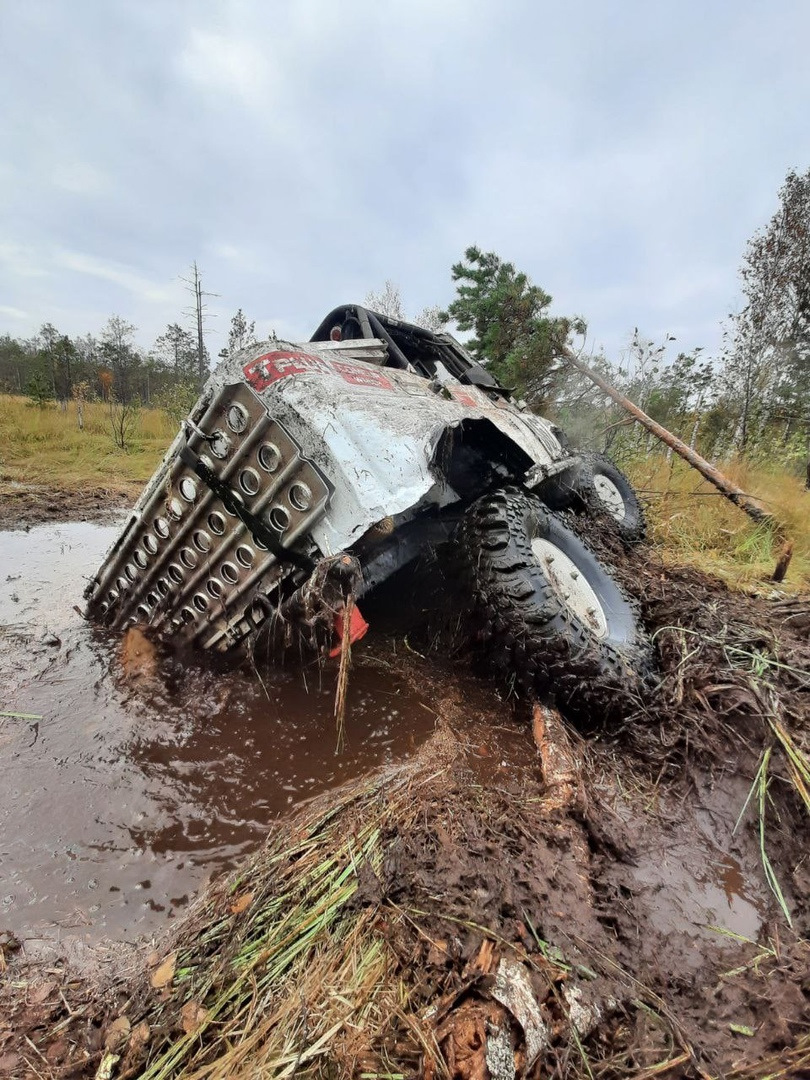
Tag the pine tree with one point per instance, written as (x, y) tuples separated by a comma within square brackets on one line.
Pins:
[(767, 367), (514, 334), (241, 335), (177, 349)]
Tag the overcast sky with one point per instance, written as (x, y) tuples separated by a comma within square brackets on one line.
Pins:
[(303, 151)]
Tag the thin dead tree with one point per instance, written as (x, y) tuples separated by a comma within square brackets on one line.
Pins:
[(199, 314), (80, 393)]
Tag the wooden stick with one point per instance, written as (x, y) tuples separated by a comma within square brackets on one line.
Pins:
[(783, 562), (736, 495)]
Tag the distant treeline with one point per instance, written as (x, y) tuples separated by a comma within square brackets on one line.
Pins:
[(52, 366)]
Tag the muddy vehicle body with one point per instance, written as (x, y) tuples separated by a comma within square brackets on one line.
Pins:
[(359, 449)]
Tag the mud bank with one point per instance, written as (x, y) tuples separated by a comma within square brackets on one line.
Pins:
[(23, 505), (517, 898)]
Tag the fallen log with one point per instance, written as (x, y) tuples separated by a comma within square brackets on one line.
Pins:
[(740, 498), (560, 768)]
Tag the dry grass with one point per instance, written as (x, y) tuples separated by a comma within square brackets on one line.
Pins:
[(691, 523), (45, 446), (288, 976)]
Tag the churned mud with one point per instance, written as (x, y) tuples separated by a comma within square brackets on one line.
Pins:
[(23, 505), (471, 889)]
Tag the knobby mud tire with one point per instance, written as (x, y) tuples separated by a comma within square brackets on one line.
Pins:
[(633, 528), (529, 633)]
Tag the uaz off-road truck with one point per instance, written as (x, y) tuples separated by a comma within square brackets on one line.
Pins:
[(360, 449)]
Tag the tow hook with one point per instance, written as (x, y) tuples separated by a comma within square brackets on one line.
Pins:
[(321, 602)]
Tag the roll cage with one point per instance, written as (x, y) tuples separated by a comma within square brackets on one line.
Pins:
[(409, 346)]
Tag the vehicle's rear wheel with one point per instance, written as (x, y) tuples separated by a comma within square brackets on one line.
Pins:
[(604, 489), (549, 613)]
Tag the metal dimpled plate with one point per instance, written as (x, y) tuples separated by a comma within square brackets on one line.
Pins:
[(188, 567)]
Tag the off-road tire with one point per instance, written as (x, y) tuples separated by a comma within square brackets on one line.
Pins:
[(529, 633), (632, 527)]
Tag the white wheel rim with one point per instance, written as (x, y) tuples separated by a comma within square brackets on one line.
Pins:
[(610, 495), (571, 586)]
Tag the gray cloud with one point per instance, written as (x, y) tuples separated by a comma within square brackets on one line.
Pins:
[(304, 151)]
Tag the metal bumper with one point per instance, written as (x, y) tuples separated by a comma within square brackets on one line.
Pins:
[(188, 566)]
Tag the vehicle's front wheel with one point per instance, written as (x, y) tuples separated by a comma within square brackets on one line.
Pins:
[(549, 612)]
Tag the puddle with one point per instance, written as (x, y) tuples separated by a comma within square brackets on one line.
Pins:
[(118, 802), (696, 886), (43, 572), (698, 875)]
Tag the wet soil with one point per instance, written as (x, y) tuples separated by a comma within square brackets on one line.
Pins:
[(629, 884), (638, 893), (129, 781), (24, 505), (636, 913)]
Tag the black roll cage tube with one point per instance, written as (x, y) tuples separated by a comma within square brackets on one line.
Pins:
[(443, 347)]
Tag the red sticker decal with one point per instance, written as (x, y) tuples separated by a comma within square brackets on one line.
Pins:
[(464, 397), (271, 367), (360, 374)]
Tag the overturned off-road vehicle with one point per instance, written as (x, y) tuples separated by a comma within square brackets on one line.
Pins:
[(306, 475)]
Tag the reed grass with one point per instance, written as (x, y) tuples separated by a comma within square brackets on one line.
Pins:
[(759, 793), (45, 446), (691, 523)]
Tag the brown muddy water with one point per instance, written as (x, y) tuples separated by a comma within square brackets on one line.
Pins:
[(120, 799), (695, 872)]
